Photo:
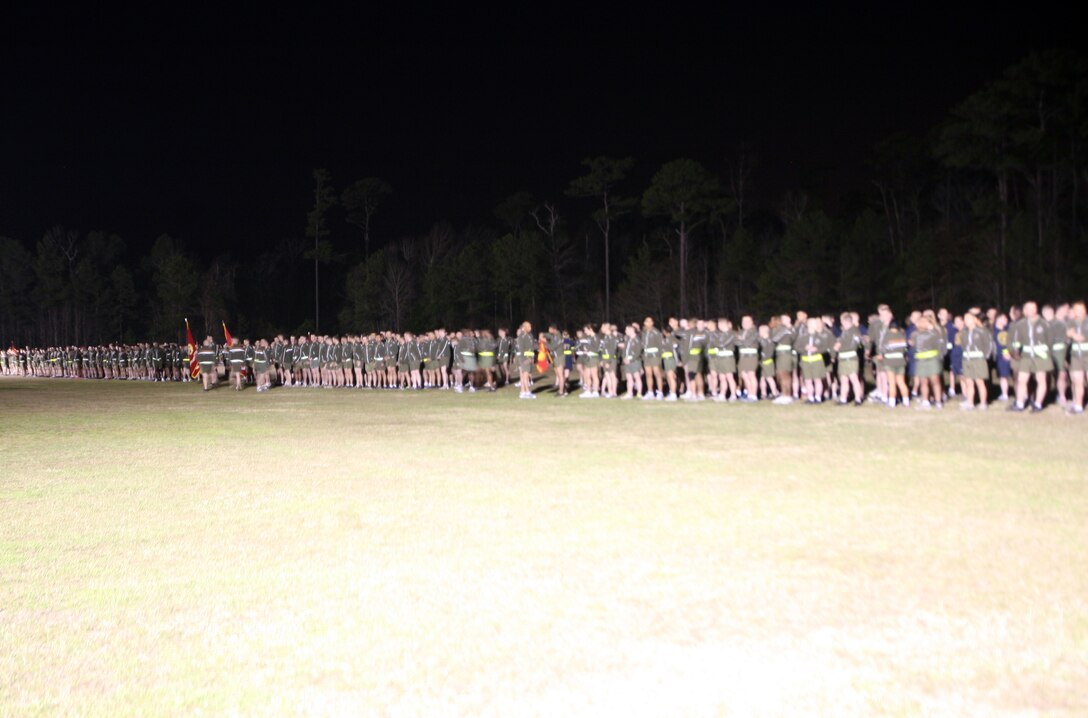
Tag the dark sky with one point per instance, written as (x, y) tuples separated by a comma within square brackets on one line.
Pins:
[(208, 126)]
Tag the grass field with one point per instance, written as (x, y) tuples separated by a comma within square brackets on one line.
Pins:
[(169, 552)]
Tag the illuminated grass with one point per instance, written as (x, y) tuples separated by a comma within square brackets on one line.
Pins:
[(165, 551)]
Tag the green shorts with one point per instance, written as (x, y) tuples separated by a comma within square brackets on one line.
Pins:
[(976, 369), (632, 367), (651, 359), (1034, 364), (783, 361), (895, 369), (694, 363), (1058, 357), (722, 363), (1078, 362), (332, 366), (668, 363), (927, 368), (468, 363), (814, 369), (402, 366), (847, 367), (486, 362), (413, 365), (766, 367), (748, 362)]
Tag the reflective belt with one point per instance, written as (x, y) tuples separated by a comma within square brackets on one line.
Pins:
[(1039, 351), (695, 351), (468, 354), (606, 356), (847, 355), (894, 355), (1081, 346), (971, 354), (712, 351), (487, 354), (567, 352), (666, 354), (748, 350), (783, 348), (651, 350), (928, 354), (1059, 346), (768, 361), (591, 354), (812, 358), (527, 354)]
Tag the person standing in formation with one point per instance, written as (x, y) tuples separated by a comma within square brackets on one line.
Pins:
[(526, 353)]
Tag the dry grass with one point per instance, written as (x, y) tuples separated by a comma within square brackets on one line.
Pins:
[(167, 552)]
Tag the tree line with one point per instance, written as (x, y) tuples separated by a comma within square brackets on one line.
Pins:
[(984, 208)]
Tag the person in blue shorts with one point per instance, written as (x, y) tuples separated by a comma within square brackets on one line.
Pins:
[(1002, 360)]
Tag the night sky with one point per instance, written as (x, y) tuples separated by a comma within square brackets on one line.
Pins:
[(207, 126)]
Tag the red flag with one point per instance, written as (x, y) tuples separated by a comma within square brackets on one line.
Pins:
[(226, 335), (194, 368), (542, 356)]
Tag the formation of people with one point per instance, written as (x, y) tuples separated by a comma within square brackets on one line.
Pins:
[(1028, 356)]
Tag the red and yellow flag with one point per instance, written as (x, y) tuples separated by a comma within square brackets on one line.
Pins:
[(542, 356), (194, 368), (226, 335)]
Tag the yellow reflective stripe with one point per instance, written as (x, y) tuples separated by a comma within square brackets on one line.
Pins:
[(606, 356), (928, 354), (812, 358), (487, 354), (712, 351), (567, 352), (695, 350), (528, 354), (666, 354), (768, 361)]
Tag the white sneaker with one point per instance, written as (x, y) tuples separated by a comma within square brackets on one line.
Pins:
[(647, 397), (924, 404), (670, 397), (783, 400), (659, 395)]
